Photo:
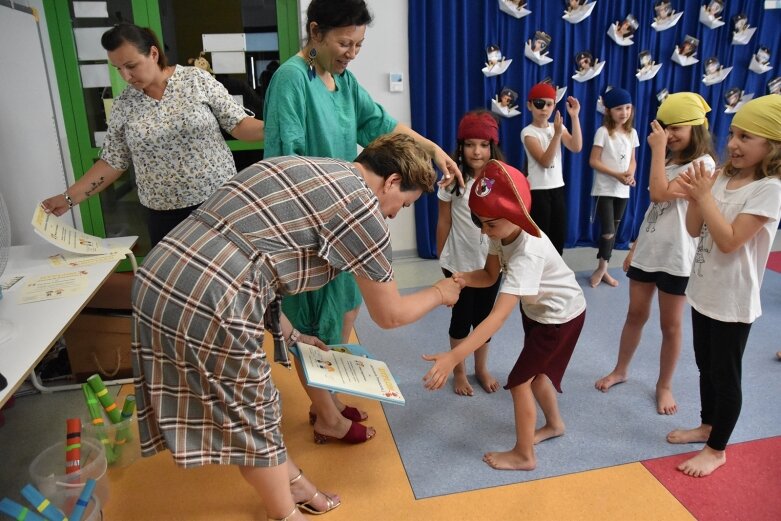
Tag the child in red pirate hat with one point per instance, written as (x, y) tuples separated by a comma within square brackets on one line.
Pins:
[(553, 309)]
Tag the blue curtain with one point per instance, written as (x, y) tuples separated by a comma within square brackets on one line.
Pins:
[(447, 41)]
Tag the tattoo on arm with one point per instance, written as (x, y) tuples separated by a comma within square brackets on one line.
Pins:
[(94, 186)]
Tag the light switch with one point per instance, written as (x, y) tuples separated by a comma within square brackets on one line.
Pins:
[(396, 81)]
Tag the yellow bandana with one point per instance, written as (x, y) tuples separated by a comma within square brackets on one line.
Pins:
[(683, 109), (761, 117)]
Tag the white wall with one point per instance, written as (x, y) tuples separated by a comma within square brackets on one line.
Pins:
[(386, 50)]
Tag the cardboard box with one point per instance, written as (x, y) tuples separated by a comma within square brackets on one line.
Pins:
[(100, 343)]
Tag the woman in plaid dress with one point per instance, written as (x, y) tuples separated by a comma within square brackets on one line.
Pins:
[(207, 292)]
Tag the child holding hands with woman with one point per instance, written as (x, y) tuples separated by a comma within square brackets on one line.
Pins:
[(662, 255), (735, 214), (613, 161), (460, 245), (553, 310)]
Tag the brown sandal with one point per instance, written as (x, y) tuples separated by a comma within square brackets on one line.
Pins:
[(307, 505)]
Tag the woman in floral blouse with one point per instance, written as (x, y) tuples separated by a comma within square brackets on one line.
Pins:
[(167, 123)]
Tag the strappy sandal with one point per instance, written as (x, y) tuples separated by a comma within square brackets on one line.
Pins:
[(308, 506), (286, 518), (357, 433), (351, 413)]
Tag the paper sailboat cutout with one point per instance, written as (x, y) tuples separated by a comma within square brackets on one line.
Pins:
[(683, 60), (709, 20), (497, 68), (589, 73), (716, 77), (514, 8), (743, 37), (539, 59), (670, 21), (646, 73), (505, 112), (620, 40), (731, 109), (759, 67), (560, 92), (575, 16)]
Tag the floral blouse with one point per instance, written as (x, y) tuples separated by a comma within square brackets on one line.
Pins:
[(174, 143)]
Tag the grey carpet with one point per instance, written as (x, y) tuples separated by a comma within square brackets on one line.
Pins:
[(441, 437)]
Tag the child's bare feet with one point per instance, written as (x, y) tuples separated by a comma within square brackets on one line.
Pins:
[(610, 280), (510, 460), (665, 402), (596, 277), (697, 435), (461, 385), (547, 432), (704, 463), (487, 381), (606, 382)]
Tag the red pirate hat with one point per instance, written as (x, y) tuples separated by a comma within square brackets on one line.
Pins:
[(502, 192)]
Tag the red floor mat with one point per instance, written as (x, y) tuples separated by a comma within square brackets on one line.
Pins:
[(774, 261), (747, 487)]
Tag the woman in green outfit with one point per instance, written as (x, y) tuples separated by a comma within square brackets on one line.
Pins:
[(316, 107)]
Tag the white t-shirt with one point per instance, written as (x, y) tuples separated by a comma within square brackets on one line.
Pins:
[(663, 244), (463, 250), (541, 178), (725, 286), (534, 271), (617, 152)]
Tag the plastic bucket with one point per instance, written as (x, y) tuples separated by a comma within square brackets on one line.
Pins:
[(120, 440), (48, 470), (66, 500)]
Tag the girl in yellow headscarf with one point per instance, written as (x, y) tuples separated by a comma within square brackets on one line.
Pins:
[(735, 214), (661, 257)]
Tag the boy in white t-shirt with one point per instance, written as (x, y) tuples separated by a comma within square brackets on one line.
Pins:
[(552, 306), (542, 142)]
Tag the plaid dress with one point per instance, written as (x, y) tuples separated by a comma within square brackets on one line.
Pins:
[(207, 292)]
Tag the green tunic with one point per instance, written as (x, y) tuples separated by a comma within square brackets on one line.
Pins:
[(302, 117)]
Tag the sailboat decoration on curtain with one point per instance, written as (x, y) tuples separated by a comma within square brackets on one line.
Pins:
[(665, 16), (536, 48), (622, 32), (587, 66), (710, 14), (577, 10), (515, 8), (496, 63)]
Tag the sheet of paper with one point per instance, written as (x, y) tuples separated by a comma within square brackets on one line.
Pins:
[(56, 285), (346, 373), (65, 236), (74, 260)]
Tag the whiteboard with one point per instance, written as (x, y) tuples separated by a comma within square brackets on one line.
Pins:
[(31, 162)]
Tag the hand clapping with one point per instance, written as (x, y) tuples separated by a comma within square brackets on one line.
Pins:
[(697, 181)]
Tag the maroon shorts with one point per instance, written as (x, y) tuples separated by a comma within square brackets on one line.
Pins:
[(547, 349)]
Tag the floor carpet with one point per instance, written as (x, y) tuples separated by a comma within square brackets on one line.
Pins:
[(746, 487), (441, 437)]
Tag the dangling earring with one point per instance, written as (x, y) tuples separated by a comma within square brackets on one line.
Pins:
[(311, 62)]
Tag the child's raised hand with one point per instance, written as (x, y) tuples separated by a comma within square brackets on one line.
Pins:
[(437, 376), (573, 106), (657, 139), (558, 124)]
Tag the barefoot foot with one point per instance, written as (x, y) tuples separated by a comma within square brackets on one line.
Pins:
[(697, 435), (606, 382), (665, 402), (487, 381), (610, 280), (596, 277), (461, 385), (509, 460), (547, 432), (704, 463)]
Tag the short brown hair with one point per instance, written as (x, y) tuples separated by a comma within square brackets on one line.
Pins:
[(400, 154)]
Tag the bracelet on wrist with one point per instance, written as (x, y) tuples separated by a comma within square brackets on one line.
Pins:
[(294, 336), (68, 199)]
